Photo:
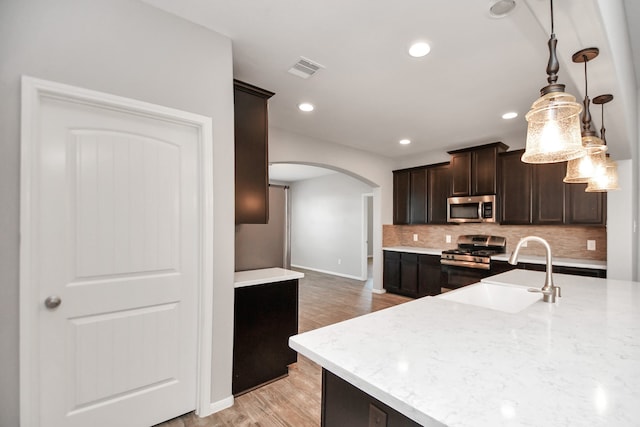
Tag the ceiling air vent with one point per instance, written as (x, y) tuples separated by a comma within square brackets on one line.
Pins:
[(305, 68)]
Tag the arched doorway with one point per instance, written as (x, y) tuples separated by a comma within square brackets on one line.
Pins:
[(332, 218)]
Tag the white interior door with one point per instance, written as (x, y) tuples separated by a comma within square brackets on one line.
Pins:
[(115, 229)]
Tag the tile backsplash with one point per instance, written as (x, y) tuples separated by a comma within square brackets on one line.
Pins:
[(565, 241)]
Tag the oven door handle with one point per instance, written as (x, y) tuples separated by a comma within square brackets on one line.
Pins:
[(468, 264)]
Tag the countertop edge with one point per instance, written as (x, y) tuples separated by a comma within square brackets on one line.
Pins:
[(393, 402), (264, 275)]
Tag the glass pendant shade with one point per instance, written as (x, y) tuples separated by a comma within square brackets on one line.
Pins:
[(553, 132), (607, 180), (582, 169)]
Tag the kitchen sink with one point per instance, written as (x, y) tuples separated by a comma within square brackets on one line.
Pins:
[(508, 299)]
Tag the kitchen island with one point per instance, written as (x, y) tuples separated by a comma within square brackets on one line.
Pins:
[(440, 362)]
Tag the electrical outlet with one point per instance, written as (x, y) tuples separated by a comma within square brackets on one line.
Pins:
[(447, 238), (591, 245), (339, 261), (415, 237)]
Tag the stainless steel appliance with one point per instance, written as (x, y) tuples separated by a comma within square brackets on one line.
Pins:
[(471, 209), (471, 261)]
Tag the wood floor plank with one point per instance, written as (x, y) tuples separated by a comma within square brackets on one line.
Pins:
[(294, 401)]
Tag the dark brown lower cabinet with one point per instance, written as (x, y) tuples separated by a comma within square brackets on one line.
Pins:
[(265, 316), (502, 266), (418, 275), (429, 274), (411, 274), (346, 405)]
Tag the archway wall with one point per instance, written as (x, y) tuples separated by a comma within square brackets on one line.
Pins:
[(287, 147)]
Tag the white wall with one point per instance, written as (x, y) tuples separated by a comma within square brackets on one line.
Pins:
[(129, 49), (369, 202), (286, 147), (327, 222), (620, 220)]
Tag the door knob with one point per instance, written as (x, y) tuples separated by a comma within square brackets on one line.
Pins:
[(52, 302)]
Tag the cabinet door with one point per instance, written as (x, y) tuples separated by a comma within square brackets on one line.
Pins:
[(418, 196), (429, 275), (461, 174), (439, 189), (251, 154), (401, 194), (584, 208), (515, 189), (498, 267), (548, 193), (391, 271), (483, 171), (409, 273), (265, 316)]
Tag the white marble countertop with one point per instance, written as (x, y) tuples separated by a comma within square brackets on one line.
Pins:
[(264, 275), (565, 262), (572, 363)]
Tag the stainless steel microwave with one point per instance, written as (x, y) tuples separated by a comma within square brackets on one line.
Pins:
[(471, 209)]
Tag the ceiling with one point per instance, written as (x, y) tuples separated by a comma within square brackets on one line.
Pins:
[(371, 93)]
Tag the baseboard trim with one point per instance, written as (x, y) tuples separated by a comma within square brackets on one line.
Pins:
[(333, 273), (218, 406), (379, 291)]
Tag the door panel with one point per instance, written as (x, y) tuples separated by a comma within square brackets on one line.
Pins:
[(116, 208)]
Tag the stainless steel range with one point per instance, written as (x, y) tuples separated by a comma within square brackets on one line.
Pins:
[(471, 261)]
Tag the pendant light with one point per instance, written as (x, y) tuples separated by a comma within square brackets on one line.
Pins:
[(582, 169), (553, 131), (606, 180)]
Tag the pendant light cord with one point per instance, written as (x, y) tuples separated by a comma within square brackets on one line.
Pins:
[(586, 84), (552, 27), (602, 129), (586, 113), (553, 65)]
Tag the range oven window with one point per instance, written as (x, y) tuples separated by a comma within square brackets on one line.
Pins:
[(454, 277)]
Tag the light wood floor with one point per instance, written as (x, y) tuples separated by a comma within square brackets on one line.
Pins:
[(295, 400)]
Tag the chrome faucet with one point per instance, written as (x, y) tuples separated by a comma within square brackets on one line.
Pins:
[(549, 291)]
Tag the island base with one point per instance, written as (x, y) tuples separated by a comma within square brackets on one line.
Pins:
[(346, 405)]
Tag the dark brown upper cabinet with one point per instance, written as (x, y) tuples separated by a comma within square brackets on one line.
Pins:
[(515, 189), (401, 196), (548, 193), (535, 194), (251, 153), (473, 170), (439, 189), (420, 195), (585, 208)]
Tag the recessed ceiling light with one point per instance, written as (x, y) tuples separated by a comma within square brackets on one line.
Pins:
[(420, 49), (405, 141), (511, 115), (501, 8), (306, 107)]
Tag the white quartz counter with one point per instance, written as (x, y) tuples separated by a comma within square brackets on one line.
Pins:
[(565, 262), (264, 275), (572, 363)]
